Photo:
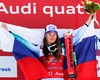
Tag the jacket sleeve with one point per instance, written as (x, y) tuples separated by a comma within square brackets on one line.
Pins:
[(77, 34)]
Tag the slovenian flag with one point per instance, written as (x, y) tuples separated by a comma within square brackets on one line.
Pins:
[(84, 46), (27, 60), (85, 49)]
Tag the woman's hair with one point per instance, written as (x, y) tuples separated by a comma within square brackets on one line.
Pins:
[(46, 52)]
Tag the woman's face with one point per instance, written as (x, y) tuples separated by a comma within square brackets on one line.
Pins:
[(51, 37)]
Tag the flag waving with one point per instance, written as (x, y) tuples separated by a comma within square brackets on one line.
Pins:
[(86, 54), (27, 53), (27, 60)]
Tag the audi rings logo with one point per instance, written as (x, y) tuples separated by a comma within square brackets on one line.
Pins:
[(50, 73)]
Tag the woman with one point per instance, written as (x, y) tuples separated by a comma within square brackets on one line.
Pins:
[(51, 54)]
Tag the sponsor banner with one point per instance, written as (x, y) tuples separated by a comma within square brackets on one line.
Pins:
[(8, 67), (33, 14)]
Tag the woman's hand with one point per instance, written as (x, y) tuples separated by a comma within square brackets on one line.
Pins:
[(92, 16), (3, 25)]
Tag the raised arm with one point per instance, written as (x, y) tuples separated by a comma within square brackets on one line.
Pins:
[(79, 32)]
